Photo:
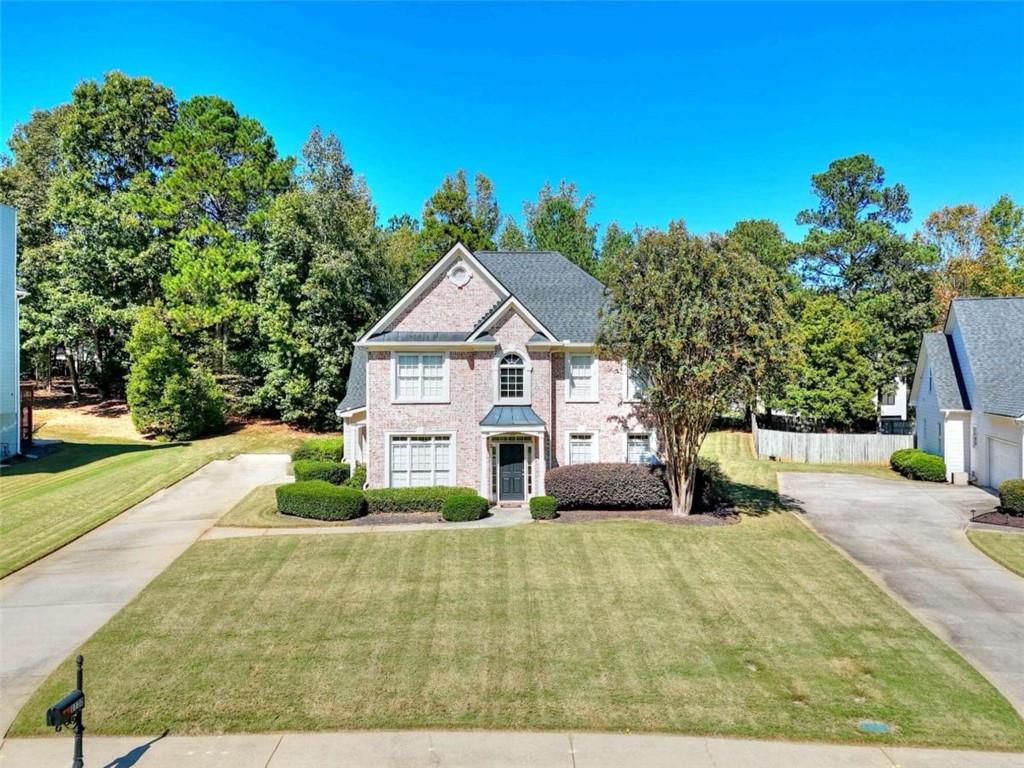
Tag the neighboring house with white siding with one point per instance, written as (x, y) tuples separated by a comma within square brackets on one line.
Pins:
[(969, 390), (485, 374), (10, 344)]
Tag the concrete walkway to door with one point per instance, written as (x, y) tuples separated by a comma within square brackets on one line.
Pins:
[(49, 608), (910, 536)]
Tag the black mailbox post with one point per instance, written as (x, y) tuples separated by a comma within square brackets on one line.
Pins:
[(68, 712)]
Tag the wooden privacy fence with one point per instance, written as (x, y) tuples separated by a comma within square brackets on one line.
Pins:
[(827, 447)]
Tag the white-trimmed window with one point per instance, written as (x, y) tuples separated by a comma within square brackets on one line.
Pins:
[(420, 460), (634, 384), (581, 375), (420, 377), (640, 448), (582, 449), (512, 375)]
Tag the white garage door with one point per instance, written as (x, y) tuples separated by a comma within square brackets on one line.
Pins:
[(1003, 461)]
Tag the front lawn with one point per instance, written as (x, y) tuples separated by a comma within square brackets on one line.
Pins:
[(756, 630), (259, 510), (97, 474), (1007, 549)]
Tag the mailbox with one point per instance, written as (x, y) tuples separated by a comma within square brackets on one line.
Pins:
[(66, 710)]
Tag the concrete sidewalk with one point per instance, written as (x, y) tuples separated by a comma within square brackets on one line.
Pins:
[(499, 518), (51, 607), (474, 749)]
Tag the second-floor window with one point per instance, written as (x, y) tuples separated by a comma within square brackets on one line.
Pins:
[(582, 385), (421, 377), (635, 385), (511, 378), (888, 398)]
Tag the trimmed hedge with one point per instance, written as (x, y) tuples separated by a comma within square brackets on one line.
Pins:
[(608, 486), (320, 449), (358, 478), (543, 507), (460, 508), (1011, 496), (320, 500), (428, 499), (333, 472), (918, 465)]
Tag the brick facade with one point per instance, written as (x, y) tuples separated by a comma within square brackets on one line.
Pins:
[(445, 306)]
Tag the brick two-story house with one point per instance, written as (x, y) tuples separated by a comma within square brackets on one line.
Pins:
[(485, 375)]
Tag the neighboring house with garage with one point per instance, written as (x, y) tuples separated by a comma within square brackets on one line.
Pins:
[(485, 374), (11, 416), (969, 390)]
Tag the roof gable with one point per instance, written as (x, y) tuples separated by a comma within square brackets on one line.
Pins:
[(938, 355), (992, 330)]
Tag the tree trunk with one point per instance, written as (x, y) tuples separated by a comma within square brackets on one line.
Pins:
[(76, 388)]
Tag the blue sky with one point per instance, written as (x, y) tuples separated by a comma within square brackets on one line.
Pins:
[(711, 113)]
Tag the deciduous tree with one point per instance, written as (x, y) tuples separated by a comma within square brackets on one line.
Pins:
[(452, 214), (558, 222), (702, 323)]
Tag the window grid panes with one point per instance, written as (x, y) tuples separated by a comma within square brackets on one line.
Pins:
[(581, 377), (635, 385), (419, 377), (888, 399), (511, 378), (638, 448), (581, 448), (420, 460)]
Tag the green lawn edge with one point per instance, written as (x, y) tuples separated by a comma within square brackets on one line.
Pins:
[(1007, 549)]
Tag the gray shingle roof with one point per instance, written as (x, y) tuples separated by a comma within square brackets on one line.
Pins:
[(511, 416), (355, 390), (993, 336), (563, 297), (440, 336), (946, 377)]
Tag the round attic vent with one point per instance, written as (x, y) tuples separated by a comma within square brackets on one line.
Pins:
[(459, 274)]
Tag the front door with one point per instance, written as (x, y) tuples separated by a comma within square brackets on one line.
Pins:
[(510, 472)]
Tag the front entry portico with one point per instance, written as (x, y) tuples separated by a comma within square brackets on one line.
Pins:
[(512, 454)]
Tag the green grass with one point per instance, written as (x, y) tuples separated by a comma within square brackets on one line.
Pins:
[(753, 630), (1007, 549), (754, 483), (47, 502)]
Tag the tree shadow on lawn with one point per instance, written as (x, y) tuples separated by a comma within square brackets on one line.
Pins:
[(753, 500), (69, 455)]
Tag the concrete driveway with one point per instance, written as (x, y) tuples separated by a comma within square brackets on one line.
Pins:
[(910, 536), (51, 607)]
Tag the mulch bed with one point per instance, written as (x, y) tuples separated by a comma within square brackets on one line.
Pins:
[(995, 517), (725, 517)]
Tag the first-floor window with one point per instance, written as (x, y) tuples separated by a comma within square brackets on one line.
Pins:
[(420, 460), (581, 448), (638, 448)]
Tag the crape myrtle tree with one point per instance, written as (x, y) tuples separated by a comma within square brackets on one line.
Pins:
[(702, 323)]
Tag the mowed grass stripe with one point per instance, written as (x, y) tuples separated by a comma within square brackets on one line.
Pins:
[(753, 630)]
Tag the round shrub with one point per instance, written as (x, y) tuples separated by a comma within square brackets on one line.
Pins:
[(358, 478), (463, 507), (333, 472), (543, 507), (918, 465), (1011, 496), (608, 486), (320, 449), (320, 500), (427, 499)]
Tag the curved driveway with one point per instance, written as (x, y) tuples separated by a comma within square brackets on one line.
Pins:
[(911, 536)]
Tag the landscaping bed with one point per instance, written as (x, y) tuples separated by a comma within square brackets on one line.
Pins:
[(998, 517)]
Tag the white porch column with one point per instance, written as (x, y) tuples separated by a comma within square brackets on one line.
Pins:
[(543, 463), (484, 461)]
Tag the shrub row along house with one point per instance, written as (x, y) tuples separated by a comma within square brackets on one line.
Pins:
[(485, 375), (969, 391)]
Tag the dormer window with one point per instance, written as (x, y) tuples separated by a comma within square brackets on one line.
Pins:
[(511, 378)]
